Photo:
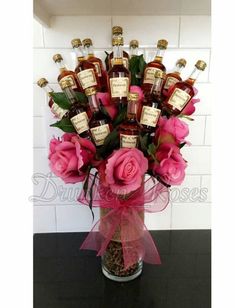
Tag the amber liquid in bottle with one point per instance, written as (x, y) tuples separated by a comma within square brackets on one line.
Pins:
[(117, 33), (152, 67), (118, 79), (181, 94), (174, 77), (153, 104), (129, 130), (100, 126)]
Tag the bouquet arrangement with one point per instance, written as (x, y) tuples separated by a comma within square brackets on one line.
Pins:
[(122, 139)]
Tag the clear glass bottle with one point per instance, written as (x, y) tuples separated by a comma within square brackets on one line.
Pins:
[(134, 48), (88, 47), (118, 76), (118, 33), (182, 92), (85, 70), (153, 66), (77, 113), (129, 130), (153, 104), (174, 76), (55, 109), (99, 124), (65, 73)]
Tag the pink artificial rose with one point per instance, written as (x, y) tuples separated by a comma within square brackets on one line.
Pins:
[(175, 129), (170, 165), (124, 170), (111, 108), (70, 157), (138, 90)]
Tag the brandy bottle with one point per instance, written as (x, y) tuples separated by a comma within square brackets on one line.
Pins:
[(85, 70), (129, 130), (77, 113), (153, 66), (152, 104), (118, 76), (102, 76), (134, 48), (99, 124), (65, 73), (182, 92), (118, 33), (174, 76), (55, 109)]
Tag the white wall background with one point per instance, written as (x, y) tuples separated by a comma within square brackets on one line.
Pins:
[(55, 206)]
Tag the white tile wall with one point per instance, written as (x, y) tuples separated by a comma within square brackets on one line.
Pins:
[(55, 207)]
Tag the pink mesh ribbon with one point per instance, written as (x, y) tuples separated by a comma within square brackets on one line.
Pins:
[(125, 218)]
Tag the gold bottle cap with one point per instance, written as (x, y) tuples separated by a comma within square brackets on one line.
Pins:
[(117, 41), (90, 91), (133, 96), (57, 57), (134, 44), (181, 62), (65, 83), (42, 82), (87, 42), (117, 30), (160, 74), (162, 44), (76, 42), (201, 65)]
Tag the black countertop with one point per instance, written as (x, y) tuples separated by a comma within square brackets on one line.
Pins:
[(66, 277)]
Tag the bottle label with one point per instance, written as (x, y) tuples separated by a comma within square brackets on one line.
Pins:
[(80, 122), (71, 79), (125, 62), (87, 78), (149, 116), (99, 133), (97, 68), (119, 86), (179, 99), (170, 81), (149, 74), (58, 111), (128, 141)]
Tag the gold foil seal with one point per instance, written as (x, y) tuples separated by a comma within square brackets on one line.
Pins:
[(65, 83), (117, 61), (160, 74), (117, 30), (87, 42), (134, 44), (57, 57), (201, 65), (162, 44), (76, 42), (42, 82), (117, 41), (181, 62), (90, 91), (133, 96)]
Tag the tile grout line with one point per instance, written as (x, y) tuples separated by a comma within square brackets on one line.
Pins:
[(43, 37)]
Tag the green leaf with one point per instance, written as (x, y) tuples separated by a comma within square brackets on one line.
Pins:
[(152, 150), (142, 64), (61, 100), (136, 66), (103, 110), (144, 142), (81, 98), (107, 61), (121, 116), (65, 125), (111, 143)]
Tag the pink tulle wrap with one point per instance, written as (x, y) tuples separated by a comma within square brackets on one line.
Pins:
[(124, 216)]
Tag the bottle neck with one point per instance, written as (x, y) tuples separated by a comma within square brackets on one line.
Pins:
[(93, 103), (178, 69), (117, 52), (157, 87), (70, 94), (61, 66), (48, 89), (131, 110), (89, 51), (193, 77), (134, 51), (159, 55), (79, 53)]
